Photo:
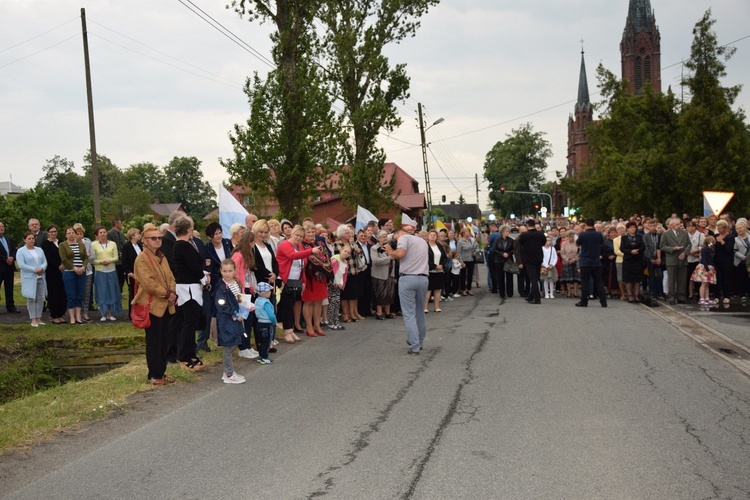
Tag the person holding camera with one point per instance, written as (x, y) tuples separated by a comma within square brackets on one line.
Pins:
[(412, 252)]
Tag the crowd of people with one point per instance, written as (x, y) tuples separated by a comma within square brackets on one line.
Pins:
[(702, 259), (235, 289), (65, 272)]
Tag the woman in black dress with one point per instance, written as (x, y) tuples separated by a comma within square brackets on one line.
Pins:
[(632, 247), (56, 300), (130, 251)]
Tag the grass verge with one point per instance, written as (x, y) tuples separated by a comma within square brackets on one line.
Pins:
[(39, 416)]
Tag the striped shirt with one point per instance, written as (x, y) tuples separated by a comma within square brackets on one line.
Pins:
[(77, 259)]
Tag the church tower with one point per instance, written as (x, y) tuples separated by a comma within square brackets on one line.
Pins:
[(640, 48), (578, 144)]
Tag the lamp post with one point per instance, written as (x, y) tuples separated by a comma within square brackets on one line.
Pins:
[(422, 131)]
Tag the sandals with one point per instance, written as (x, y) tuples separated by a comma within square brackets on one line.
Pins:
[(289, 339), (193, 363)]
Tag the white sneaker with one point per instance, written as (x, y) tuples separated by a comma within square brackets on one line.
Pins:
[(104, 318), (449, 298), (236, 378), (253, 351), (455, 296), (112, 318), (551, 296), (248, 353)]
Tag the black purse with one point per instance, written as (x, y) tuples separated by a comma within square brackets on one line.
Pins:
[(292, 286)]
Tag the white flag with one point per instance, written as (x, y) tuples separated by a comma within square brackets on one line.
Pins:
[(363, 217), (408, 221), (230, 211)]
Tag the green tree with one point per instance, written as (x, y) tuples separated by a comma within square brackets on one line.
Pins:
[(715, 146), (188, 187), (110, 175), (633, 151), (128, 202), (59, 174), (356, 34), (150, 177), (461, 199), (286, 148), (518, 163), (50, 206)]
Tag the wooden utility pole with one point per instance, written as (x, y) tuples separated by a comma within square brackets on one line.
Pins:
[(92, 133), (476, 185), (428, 191)]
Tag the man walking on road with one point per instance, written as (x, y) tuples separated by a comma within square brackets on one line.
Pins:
[(530, 256), (413, 255), (590, 240)]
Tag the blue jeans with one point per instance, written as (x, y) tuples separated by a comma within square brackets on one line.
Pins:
[(412, 292), (74, 285)]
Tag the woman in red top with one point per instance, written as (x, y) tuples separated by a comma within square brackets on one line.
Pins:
[(291, 271), (316, 288)]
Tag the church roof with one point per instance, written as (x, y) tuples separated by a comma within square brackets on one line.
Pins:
[(583, 104), (640, 16)]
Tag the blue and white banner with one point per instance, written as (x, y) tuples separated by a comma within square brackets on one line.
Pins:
[(230, 211), (363, 217)]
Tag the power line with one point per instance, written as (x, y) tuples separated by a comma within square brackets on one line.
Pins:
[(155, 50), (39, 51), (227, 33), (226, 82), (41, 34)]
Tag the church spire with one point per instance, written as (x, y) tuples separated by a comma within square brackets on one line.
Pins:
[(640, 17), (583, 104), (640, 48)]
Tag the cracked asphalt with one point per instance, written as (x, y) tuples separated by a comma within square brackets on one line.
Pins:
[(512, 401)]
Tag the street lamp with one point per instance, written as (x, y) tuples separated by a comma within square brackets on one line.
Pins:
[(422, 130)]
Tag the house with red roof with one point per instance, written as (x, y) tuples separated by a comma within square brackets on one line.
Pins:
[(329, 209)]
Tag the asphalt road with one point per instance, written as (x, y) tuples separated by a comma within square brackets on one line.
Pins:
[(512, 401)]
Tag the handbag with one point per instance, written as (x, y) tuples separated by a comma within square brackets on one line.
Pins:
[(140, 314), (361, 261), (510, 266), (292, 286), (479, 257)]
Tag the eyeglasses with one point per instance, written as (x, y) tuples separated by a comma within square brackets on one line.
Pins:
[(153, 238)]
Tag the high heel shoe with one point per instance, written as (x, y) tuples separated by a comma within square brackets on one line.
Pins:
[(311, 334), (320, 333), (288, 338)]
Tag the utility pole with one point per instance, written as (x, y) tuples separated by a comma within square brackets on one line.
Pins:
[(428, 191), (476, 184), (92, 134)]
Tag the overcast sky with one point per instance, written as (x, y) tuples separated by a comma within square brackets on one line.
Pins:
[(167, 84)]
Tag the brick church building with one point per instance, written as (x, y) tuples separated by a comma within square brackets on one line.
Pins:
[(640, 52)]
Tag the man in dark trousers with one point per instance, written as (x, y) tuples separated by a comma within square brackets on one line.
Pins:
[(530, 257), (7, 267), (589, 263)]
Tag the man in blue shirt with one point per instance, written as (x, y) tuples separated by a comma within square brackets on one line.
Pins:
[(492, 274), (589, 263)]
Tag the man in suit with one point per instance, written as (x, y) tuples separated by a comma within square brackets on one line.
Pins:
[(7, 267), (364, 304), (39, 235), (675, 245), (530, 256), (652, 254)]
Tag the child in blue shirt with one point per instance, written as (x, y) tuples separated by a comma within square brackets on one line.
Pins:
[(266, 316)]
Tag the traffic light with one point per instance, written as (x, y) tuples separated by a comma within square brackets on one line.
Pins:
[(502, 190), (536, 207), (443, 198)]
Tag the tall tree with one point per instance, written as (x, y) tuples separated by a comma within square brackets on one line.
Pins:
[(715, 150), (188, 187), (633, 151), (291, 135), (357, 31), (518, 163)]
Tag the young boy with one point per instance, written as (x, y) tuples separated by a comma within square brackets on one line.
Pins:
[(228, 319), (266, 324)]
